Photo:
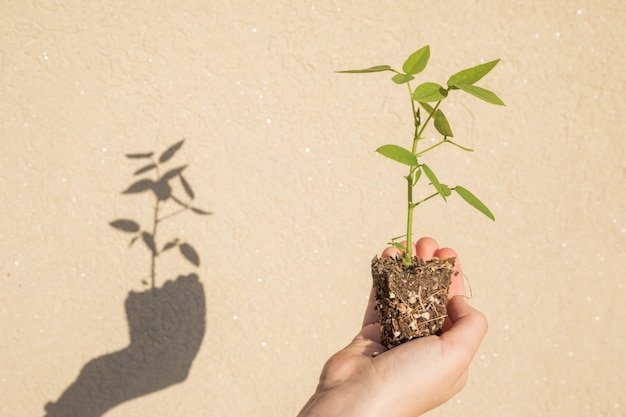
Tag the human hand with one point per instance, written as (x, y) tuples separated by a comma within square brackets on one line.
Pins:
[(364, 379)]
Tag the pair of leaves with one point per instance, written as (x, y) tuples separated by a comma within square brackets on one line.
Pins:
[(404, 156), (465, 80), (462, 80), (445, 191), (413, 65), (163, 190), (463, 192), (161, 187), (130, 226), (186, 249)]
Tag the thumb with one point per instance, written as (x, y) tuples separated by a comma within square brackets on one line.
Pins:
[(468, 329)]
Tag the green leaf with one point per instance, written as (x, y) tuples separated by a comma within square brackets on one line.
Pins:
[(418, 175), (398, 154), (481, 93), (433, 179), (377, 68), (398, 245), (402, 78), (417, 61), (471, 75), (442, 125), (427, 107), (474, 201), (428, 92), (446, 190)]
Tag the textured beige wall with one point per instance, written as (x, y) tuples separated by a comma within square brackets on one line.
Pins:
[(280, 149)]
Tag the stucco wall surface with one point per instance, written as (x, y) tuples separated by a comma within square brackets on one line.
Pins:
[(249, 301)]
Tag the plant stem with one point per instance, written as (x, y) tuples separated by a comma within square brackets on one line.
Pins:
[(408, 253), (430, 116), (417, 136)]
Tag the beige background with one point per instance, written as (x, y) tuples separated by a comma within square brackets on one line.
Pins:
[(280, 149)]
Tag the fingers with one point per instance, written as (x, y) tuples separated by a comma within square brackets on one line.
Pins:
[(457, 286), (425, 248), (390, 252)]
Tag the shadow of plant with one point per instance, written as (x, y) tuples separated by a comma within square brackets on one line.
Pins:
[(166, 324), (163, 190)]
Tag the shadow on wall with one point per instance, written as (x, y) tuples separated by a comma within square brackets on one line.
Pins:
[(166, 324), (166, 329)]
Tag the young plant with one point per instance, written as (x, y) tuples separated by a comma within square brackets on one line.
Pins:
[(162, 187), (424, 113)]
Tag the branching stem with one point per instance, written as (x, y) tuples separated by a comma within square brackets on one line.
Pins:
[(423, 200), (417, 155), (417, 136)]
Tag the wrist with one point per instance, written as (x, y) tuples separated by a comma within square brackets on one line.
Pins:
[(340, 402)]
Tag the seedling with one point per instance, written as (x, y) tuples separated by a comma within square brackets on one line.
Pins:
[(411, 293), (423, 114), (164, 190)]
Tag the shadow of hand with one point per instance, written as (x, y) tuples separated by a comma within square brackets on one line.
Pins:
[(167, 325)]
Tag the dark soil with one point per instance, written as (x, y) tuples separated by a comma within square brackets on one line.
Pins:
[(410, 299)]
